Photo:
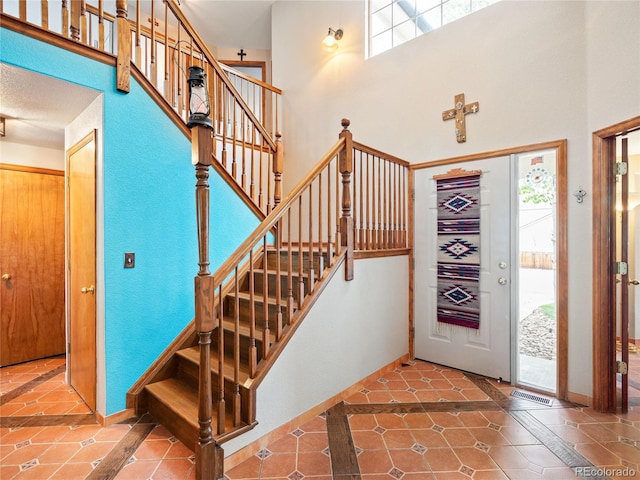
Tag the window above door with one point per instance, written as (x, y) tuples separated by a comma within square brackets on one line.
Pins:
[(394, 22)]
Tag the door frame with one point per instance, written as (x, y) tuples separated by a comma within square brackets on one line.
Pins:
[(562, 263), (604, 234)]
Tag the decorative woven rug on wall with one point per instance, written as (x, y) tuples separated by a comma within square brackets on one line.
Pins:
[(459, 248)]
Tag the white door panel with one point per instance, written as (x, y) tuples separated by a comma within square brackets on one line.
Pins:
[(485, 351)]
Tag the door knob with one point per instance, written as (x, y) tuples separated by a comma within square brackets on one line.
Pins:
[(631, 282), (6, 277), (502, 281), (90, 289)]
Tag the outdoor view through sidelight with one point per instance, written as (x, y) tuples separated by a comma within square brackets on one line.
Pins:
[(536, 255)]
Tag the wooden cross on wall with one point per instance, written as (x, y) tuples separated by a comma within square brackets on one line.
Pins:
[(242, 54), (458, 113)]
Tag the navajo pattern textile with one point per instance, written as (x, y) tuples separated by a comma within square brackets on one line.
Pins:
[(459, 251)]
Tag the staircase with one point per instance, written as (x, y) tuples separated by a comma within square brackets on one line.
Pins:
[(203, 387), (172, 396)]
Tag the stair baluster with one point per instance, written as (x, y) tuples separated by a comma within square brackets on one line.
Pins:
[(266, 342), (253, 350), (277, 285), (236, 352), (290, 302), (221, 402), (301, 282)]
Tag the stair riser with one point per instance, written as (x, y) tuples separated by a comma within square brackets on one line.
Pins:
[(271, 284), (189, 373), (160, 409), (295, 262), (229, 341), (245, 311)]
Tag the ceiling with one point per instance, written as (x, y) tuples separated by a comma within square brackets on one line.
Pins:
[(231, 23), (37, 108)]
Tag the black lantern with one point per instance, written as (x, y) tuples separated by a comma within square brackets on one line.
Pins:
[(199, 109)]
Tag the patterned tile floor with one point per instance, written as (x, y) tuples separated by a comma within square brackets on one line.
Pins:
[(420, 421)]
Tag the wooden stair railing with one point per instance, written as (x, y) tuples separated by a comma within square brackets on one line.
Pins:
[(247, 310), (160, 44), (246, 139), (203, 387), (380, 200)]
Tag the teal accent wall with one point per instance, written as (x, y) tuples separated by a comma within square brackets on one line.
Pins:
[(149, 209)]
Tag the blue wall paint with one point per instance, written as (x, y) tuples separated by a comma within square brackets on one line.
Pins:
[(149, 209)]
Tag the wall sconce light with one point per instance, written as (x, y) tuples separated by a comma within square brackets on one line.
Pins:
[(2, 121), (199, 109), (331, 40)]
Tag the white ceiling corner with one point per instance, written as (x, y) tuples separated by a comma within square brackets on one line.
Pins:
[(37, 107)]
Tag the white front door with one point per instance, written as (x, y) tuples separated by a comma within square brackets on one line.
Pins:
[(486, 351)]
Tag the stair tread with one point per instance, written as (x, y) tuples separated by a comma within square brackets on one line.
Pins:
[(259, 298), (229, 324), (184, 399)]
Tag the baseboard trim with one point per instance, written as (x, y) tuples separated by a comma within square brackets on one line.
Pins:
[(246, 452), (115, 417), (580, 399)]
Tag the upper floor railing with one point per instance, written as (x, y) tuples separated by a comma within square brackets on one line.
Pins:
[(155, 38)]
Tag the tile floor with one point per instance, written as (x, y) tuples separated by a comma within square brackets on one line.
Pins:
[(420, 421)]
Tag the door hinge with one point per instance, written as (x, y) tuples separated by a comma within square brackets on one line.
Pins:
[(68, 347), (620, 168), (620, 268), (621, 367)]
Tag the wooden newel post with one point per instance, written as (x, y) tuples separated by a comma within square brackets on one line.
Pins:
[(346, 220), (123, 63), (278, 164), (65, 18), (201, 149)]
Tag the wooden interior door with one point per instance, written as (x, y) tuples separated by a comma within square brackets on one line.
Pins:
[(626, 279), (31, 263), (81, 184)]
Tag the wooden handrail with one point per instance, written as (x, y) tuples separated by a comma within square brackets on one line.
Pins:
[(244, 76), (246, 141)]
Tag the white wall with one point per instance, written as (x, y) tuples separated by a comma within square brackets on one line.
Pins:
[(27, 155), (541, 71), (354, 329)]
